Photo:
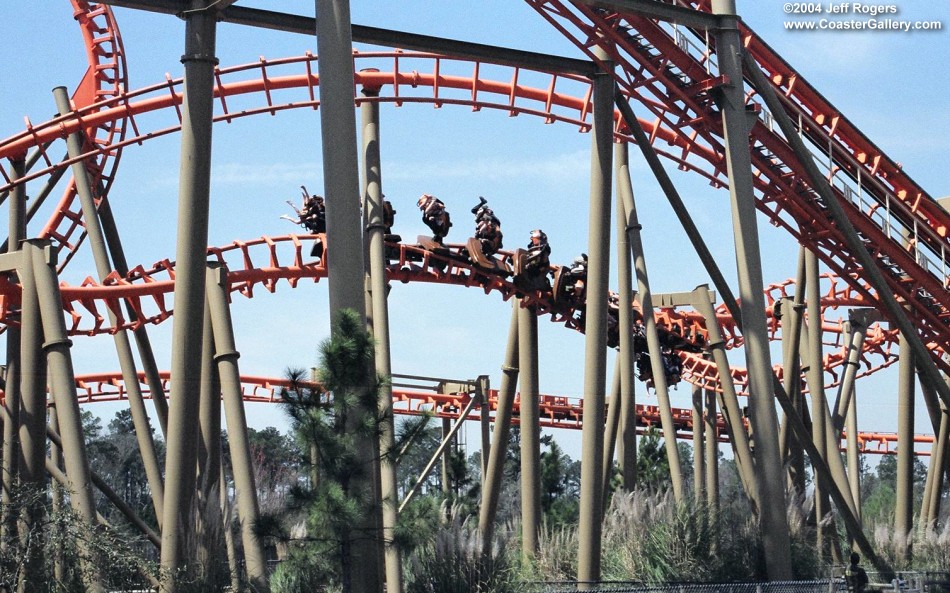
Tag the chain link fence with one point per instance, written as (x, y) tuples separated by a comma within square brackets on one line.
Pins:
[(819, 586), (918, 581), (905, 582)]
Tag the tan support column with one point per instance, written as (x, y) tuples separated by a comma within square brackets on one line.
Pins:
[(62, 381), (242, 464), (491, 488), (530, 431), (712, 452), (730, 402), (699, 465), (209, 455), (904, 490), (194, 196), (591, 513), (736, 123), (627, 434), (611, 436)]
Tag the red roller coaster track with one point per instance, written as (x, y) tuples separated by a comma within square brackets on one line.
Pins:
[(663, 68), (556, 411), (552, 102)]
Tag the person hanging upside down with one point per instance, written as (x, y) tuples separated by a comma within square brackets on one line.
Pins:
[(487, 228), (435, 216), (313, 213)]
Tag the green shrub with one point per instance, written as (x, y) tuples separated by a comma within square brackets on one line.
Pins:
[(453, 562)]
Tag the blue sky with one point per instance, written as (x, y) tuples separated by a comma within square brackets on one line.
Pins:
[(892, 85)]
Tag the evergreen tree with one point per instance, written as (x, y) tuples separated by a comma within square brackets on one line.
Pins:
[(114, 454), (330, 424), (276, 466), (653, 465), (560, 484)]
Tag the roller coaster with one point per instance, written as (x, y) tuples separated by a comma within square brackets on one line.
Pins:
[(667, 70), (108, 111)]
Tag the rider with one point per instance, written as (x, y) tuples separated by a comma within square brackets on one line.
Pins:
[(577, 277), (389, 216), (487, 228), (537, 260), (435, 216), (313, 213), (579, 266)]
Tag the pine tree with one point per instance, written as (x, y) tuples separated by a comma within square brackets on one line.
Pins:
[(330, 423)]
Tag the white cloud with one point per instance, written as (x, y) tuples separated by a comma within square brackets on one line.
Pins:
[(564, 166), (234, 173)]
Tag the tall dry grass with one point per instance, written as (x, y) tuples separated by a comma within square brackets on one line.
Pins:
[(649, 538), (929, 548), (453, 562)]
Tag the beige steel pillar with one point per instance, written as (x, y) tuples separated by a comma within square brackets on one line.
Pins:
[(345, 262), (530, 431), (768, 463), (242, 464), (194, 193), (96, 239), (632, 227), (814, 373), (790, 312), (62, 381), (611, 436), (699, 465), (209, 455), (31, 384), (379, 306), (491, 487), (712, 452), (591, 511), (903, 505), (10, 456), (627, 435), (730, 402)]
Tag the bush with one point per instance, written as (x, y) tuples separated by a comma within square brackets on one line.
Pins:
[(453, 562), (556, 558), (299, 573), (929, 548), (649, 538), (64, 539), (656, 540)]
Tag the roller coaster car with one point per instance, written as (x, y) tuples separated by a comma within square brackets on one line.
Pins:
[(672, 368), (675, 340), (569, 289), (525, 278), (318, 243), (474, 250), (430, 244), (391, 243)]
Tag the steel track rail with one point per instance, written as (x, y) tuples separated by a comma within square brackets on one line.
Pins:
[(555, 411), (658, 66), (268, 262)]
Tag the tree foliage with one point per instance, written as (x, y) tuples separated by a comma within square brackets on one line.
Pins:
[(560, 484), (330, 425), (276, 466), (69, 551), (114, 455)]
